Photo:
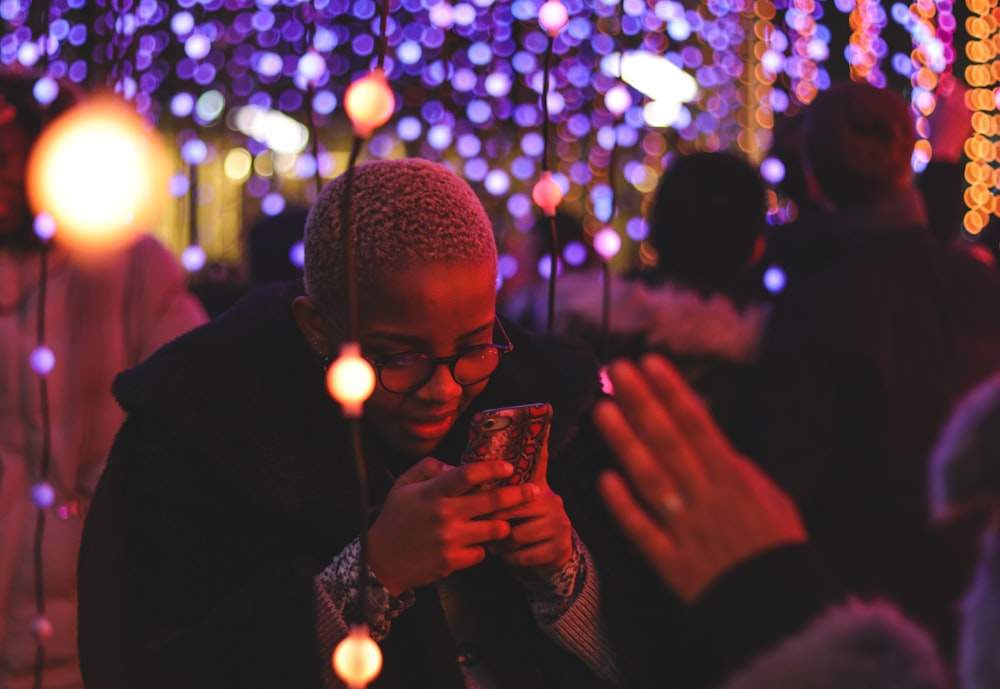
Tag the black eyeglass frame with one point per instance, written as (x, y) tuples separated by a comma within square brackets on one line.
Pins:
[(378, 363)]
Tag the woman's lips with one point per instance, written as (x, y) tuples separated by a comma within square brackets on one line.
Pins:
[(429, 427)]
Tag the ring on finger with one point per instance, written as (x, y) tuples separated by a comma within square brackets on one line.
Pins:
[(671, 502)]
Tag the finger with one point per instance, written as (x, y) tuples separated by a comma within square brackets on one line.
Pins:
[(653, 422), (542, 504), (424, 470), (494, 501), (481, 531), (461, 479), (653, 542), (687, 410), (648, 469)]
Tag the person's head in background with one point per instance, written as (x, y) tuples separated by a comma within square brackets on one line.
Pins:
[(707, 220), (271, 243), (426, 284), (22, 119), (786, 147), (857, 144)]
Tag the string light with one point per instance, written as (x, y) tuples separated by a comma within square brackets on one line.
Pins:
[(357, 659), (980, 174), (103, 205), (351, 379)]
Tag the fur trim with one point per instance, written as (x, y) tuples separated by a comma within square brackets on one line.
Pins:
[(667, 318), (868, 645), (965, 462), (978, 661)]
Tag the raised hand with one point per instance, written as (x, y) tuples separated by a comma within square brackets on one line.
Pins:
[(690, 503), (433, 522)]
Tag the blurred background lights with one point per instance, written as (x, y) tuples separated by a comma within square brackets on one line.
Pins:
[(772, 170), (297, 254), (607, 243), (116, 193), (617, 100), (193, 258), (774, 279), (46, 89), (43, 495), (276, 130), (42, 360), (45, 226)]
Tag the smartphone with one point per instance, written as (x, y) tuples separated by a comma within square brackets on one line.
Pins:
[(513, 434)]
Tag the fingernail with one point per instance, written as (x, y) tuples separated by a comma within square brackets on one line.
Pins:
[(530, 490), (506, 468)]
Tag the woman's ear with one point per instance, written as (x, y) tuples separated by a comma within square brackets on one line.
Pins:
[(313, 325)]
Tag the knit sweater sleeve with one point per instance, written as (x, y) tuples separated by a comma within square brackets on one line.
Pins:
[(337, 602), (567, 607)]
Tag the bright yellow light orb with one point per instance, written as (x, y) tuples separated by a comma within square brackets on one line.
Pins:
[(369, 103), (100, 171), (547, 194), (357, 659), (351, 379)]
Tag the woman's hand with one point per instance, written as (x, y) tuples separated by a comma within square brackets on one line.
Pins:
[(433, 522), (540, 542), (691, 504)]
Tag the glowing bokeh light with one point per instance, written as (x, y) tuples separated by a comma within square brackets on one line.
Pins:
[(351, 380), (104, 204)]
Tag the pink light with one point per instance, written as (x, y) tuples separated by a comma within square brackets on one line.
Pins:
[(553, 17), (547, 194)]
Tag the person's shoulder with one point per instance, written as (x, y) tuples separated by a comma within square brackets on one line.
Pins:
[(231, 347)]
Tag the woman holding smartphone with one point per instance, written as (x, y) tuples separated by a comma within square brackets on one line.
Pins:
[(222, 548)]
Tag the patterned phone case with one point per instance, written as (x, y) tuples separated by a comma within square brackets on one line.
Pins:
[(513, 434)]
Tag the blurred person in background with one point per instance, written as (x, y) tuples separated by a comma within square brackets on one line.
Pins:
[(97, 322)]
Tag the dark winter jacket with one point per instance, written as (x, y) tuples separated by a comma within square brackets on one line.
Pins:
[(860, 366)]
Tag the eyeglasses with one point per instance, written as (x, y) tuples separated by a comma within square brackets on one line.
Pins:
[(409, 371)]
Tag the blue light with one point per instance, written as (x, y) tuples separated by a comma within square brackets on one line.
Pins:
[(324, 102), (409, 128), (476, 169), (480, 54), (774, 279), (409, 52), (439, 136), (479, 112), (468, 145), (532, 144), (497, 182)]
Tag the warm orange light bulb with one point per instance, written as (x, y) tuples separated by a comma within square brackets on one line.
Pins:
[(369, 102), (100, 171), (547, 194), (357, 659), (351, 379)]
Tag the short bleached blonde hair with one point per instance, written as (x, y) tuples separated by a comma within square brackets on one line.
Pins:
[(405, 212)]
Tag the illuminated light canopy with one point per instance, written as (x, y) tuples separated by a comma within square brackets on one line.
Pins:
[(101, 173), (351, 380), (656, 77), (369, 103)]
